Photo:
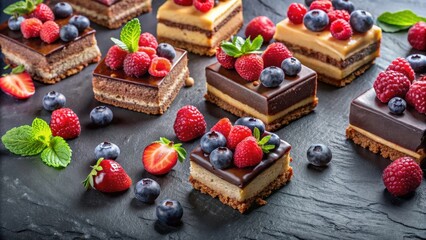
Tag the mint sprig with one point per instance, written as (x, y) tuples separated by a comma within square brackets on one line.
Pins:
[(22, 7), (177, 147), (129, 36), (266, 148), (58, 154), (398, 21), (238, 46)]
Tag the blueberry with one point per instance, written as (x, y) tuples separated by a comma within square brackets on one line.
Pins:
[(53, 100), (251, 123), (15, 23), (107, 150), (343, 5), (212, 140), (68, 33), (274, 140), (147, 190), (316, 20), (62, 10), (309, 2), (361, 21), (417, 62), (221, 158), (166, 50), (397, 105), (101, 116), (319, 155), (291, 66), (272, 77), (80, 22), (169, 212)]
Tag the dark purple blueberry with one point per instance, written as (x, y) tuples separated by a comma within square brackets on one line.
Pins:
[(397, 105), (53, 100), (147, 190), (251, 123), (169, 212), (221, 158), (15, 23), (212, 140), (107, 150), (272, 77), (316, 20), (68, 33), (166, 50), (80, 22), (361, 21), (417, 62), (291, 66), (319, 155), (101, 116), (62, 10), (343, 5)]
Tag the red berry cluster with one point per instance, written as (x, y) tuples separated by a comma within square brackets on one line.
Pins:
[(200, 5), (40, 23)]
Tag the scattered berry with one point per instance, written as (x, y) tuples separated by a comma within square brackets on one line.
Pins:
[(169, 212), (236, 135), (247, 153), (64, 123), (417, 62), (251, 123), (189, 123), (166, 50), (53, 100), (68, 33), (203, 5), (160, 67), (101, 116), (17, 85), (149, 51), (291, 66), (136, 64), (391, 84), (49, 32), (107, 150), (343, 5), (417, 36), (183, 2), (161, 156), (31, 27), (416, 96), (221, 158), (316, 20), (249, 67), (62, 10), (115, 57), (275, 54), (341, 29), (272, 77), (274, 140), (14, 23), (296, 12), (148, 40), (397, 105), (325, 6), (212, 140), (43, 13), (361, 21), (80, 22), (147, 190), (224, 59), (338, 14), (319, 155), (403, 66), (260, 25), (223, 126), (402, 176)]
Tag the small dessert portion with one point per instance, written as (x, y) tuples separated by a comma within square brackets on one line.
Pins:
[(52, 45), (139, 74), (337, 44), (199, 26), (111, 13), (240, 166)]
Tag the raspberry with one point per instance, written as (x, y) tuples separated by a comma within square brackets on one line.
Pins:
[(31, 28), (224, 59), (64, 123), (159, 67), (43, 13), (422, 78), (341, 29), (391, 84), (189, 123), (203, 5), (148, 40), (247, 153), (49, 32), (275, 54), (183, 2), (249, 67), (326, 6), (151, 52), (416, 96), (402, 176), (115, 57), (260, 26), (401, 65), (338, 14), (417, 36), (296, 12), (236, 135), (223, 126), (136, 64)]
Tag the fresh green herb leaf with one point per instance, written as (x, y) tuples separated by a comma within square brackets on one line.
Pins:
[(58, 154), (6, 67), (246, 46), (238, 42), (21, 141), (41, 131), (130, 35), (391, 28), (256, 133), (18, 69), (120, 44), (231, 49), (22, 7), (238, 46), (265, 140), (257, 43), (398, 21)]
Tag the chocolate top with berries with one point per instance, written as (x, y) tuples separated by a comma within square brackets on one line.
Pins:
[(240, 176), (36, 44)]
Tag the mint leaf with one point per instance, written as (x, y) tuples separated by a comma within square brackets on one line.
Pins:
[(130, 35), (257, 43), (21, 141), (18, 69), (58, 154), (41, 131), (231, 49), (20, 8), (120, 44), (246, 46), (401, 18), (391, 28), (238, 41)]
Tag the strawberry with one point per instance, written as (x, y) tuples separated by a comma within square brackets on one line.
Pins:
[(189, 123), (275, 54), (43, 13), (402, 176), (249, 67), (65, 123), (160, 157), (18, 83), (107, 176), (260, 25), (49, 32), (223, 126), (236, 135), (115, 57), (224, 59), (31, 28)]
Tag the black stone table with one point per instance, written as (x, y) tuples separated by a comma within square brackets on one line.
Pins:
[(347, 200)]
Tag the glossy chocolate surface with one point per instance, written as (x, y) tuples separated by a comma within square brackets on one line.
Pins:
[(102, 70), (407, 130), (240, 176), (268, 101), (36, 44)]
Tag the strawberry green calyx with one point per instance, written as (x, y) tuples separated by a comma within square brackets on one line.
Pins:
[(129, 36), (88, 182), (177, 147), (239, 46), (22, 7), (262, 142)]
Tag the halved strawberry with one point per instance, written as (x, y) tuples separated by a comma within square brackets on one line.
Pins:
[(18, 83), (160, 157)]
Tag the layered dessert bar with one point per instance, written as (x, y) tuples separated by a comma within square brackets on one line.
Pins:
[(196, 31), (111, 13)]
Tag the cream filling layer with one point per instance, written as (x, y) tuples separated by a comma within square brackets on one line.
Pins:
[(240, 194), (323, 42), (178, 81), (253, 112), (385, 142)]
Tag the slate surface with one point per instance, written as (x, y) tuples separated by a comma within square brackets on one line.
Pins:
[(347, 200)]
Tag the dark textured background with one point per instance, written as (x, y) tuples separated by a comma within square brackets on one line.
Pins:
[(347, 200)]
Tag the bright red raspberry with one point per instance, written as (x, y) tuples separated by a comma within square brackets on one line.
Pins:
[(183, 2), (338, 14), (203, 5), (43, 13), (31, 28), (49, 32), (115, 57), (326, 6), (402, 176), (417, 36), (296, 12), (152, 53), (391, 84), (223, 126), (401, 65), (64, 123), (341, 29), (260, 26), (224, 59), (189, 124), (160, 67), (148, 40), (274, 54), (416, 96), (249, 67), (136, 64), (236, 135), (247, 153)]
